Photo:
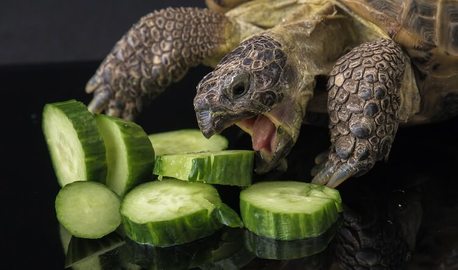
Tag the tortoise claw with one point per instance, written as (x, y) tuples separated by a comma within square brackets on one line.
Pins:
[(321, 158), (320, 162), (333, 175), (99, 102), (316, 169), (116, 102)]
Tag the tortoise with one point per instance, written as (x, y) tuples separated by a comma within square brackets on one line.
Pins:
[(386, 62)]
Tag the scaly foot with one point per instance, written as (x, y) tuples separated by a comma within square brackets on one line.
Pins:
[(363, 104)]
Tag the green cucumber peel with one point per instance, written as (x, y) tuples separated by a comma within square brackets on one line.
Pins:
[(229, 167), (130, 155), (227, 216)]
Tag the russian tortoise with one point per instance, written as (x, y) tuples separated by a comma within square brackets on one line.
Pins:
[(387, 63)]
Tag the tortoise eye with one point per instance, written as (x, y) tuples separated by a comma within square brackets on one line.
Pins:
[(239, 89)]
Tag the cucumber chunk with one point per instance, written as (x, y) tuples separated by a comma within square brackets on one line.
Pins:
[(170, 212), (229, 167), (186, 141), (288, 210), (74, 142), (88, 209), (130, 155)]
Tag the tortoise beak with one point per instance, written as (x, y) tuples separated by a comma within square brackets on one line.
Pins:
[(213, 122), (206, 123)]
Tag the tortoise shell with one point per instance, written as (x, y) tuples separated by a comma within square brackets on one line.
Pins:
[(428, 31)]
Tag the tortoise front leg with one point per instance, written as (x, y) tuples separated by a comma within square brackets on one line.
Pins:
[(155, 52), (363, 104)]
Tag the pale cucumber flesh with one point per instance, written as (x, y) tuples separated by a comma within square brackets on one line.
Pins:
[(171, 212), (288, 210), (76, 148), (185, 141), (168, 199), (88, 209)]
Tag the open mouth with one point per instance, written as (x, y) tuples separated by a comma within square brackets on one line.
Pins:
[(263, 132), (273, 133)]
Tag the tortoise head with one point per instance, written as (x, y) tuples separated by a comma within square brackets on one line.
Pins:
[(251, 87)]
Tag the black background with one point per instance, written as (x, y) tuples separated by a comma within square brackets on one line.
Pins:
[(48, 51)]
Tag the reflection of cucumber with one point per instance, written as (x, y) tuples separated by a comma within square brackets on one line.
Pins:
[(75, 145), (130, 155), (268, 248), (171, 212), (222, 250), (136, 256), (287, 210), (81, 249), (185, 141), (230, 252), (230, 167), (88, 209)]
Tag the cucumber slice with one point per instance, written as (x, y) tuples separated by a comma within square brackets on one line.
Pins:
[(130, 156), (74, 142), (170, 212), (288, 210), (88, 209), (186, 141), (229, 167)]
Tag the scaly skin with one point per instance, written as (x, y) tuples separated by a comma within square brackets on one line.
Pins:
[(251, 84), (264, 86), (155, 52), (380, 231), (244, 84), (247, 83), (363, 104)]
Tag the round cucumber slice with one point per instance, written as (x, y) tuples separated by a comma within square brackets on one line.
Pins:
[(170, 212), (288, 210), (88, 209), (74, 142), (130, 156), (186, 141), (229, 167)]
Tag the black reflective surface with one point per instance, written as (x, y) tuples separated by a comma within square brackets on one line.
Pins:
[(403, 214)]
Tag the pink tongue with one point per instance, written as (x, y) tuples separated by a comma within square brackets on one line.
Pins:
[(263, 131)]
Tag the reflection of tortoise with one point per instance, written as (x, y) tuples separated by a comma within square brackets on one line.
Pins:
[(387, 63)]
